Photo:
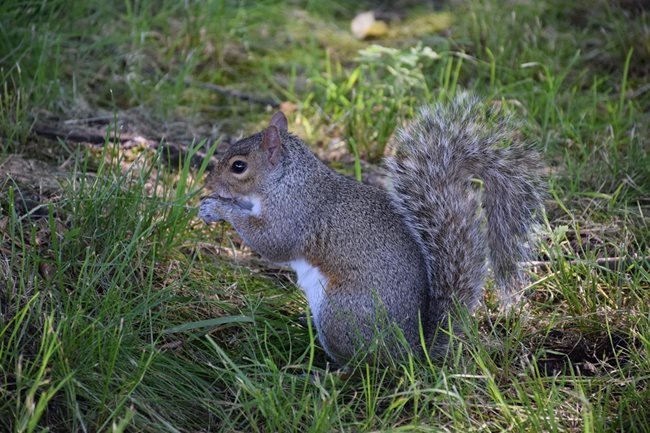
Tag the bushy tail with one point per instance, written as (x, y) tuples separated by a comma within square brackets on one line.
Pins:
[(435, 161)]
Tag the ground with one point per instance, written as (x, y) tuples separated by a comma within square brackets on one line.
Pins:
[(121, 311)]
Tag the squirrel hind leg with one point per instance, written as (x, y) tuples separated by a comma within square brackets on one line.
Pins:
[(355, 327)]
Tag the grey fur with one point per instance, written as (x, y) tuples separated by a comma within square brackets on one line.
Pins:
[(390, 260), (435, 159)]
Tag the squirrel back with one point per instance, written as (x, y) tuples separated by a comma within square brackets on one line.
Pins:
[(436, 161)]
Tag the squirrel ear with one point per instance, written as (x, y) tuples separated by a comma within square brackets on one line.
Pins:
[(271, 143), (279, 121)]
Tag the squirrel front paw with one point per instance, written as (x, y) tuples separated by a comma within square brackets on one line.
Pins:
[(214, 208), (209, 210)]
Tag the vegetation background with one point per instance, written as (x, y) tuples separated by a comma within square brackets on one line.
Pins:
[(120, 311)]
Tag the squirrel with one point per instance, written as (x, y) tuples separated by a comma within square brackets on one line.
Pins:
[(370, 259)]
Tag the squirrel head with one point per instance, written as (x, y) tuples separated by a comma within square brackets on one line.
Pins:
[(248, 165)]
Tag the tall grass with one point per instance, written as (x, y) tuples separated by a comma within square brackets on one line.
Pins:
[(84, 294)]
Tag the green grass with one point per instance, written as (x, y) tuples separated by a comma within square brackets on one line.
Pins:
[(120, 311)]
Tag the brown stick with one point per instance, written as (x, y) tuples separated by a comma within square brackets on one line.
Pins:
[(77, 136), (172, 150), (612, 263), (234, 93)]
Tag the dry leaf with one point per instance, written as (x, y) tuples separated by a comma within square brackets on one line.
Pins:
[(365, 26)]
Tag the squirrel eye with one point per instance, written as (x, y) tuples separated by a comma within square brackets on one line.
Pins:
[(238, 166)]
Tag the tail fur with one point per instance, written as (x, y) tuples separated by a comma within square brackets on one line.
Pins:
[(435, 161)]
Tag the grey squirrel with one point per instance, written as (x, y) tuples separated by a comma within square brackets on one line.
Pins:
[(370, 259)]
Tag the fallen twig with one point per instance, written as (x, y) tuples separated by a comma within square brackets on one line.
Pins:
[(612, 263), (173, 151), (233, 93), (78, 136)]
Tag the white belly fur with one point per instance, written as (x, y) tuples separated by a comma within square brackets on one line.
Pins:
[(312, 282), (254, 203)]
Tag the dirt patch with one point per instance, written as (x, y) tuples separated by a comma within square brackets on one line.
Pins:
[(34, 184), (566, 351)]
